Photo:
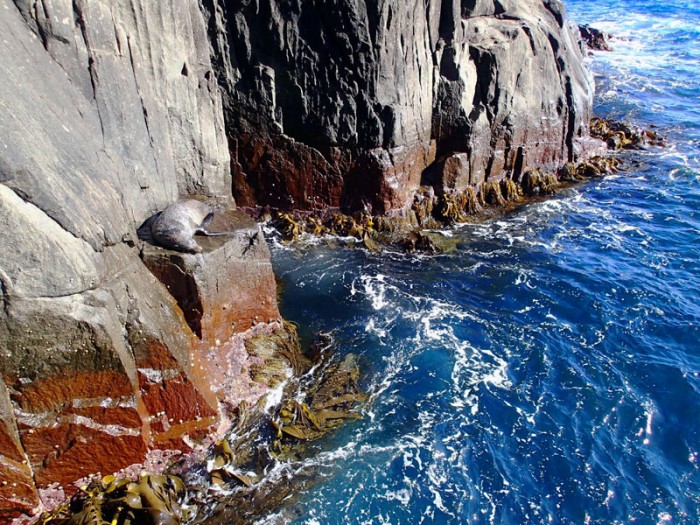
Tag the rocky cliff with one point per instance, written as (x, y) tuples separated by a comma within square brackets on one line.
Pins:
[(109, 111), (347, 103)]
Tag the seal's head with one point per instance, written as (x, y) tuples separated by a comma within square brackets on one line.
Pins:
[(176, 225)]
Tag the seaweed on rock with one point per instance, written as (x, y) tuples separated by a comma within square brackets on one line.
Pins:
[(150, 500)]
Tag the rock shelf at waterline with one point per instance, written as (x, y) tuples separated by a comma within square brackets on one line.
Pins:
[(442, 204)]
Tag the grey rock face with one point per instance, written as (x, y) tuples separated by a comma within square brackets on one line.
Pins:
[(512, 91), (108, 111), (352, 100)]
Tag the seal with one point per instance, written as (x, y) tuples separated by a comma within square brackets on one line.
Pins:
[(176, 226)]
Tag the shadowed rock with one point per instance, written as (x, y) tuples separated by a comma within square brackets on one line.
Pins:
[(595, 39), (347, 103)]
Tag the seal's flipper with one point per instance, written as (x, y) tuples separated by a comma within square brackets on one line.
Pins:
[(202, 231)]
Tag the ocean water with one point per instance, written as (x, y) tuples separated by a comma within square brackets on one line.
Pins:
[(548, 371)]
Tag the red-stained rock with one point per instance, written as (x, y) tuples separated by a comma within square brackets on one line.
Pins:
[(96, 396), (55, 394), (18, 493), (451, 173), (277, 170), (73, 424), (10, 445), (225, 289), (171, 399), (90, 392), (71, 451), (17, 489), (396, 174), (83, 365)]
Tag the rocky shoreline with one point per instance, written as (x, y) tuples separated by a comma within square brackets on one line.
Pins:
[(412, 231), (378, 121), (232, 480), (434, 207)]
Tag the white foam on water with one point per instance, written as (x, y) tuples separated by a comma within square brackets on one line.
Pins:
[(649, 411), (375, 289), (274, 397)]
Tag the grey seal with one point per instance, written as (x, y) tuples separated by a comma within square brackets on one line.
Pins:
[(176, 226)]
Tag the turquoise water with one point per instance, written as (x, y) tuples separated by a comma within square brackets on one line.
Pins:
[(548, 371)]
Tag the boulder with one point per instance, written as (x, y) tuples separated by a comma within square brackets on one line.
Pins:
[(227, 288), (594, 39)]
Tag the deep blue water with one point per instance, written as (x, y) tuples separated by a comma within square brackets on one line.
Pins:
[(549, 370)]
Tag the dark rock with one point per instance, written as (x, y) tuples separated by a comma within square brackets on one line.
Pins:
[(346, 104), (595, 39)]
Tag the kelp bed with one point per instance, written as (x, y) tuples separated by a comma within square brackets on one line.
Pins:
[(248, 472)]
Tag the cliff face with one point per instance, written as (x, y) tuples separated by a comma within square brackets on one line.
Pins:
[(346, 103), (111, 110)]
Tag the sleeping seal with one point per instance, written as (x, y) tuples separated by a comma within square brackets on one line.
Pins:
[(176, 226)]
